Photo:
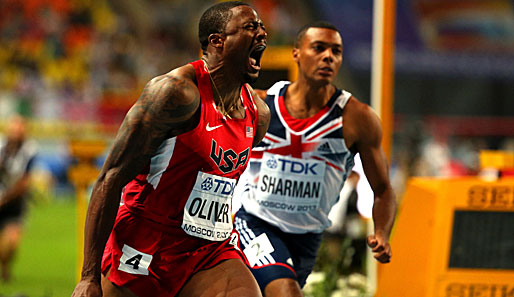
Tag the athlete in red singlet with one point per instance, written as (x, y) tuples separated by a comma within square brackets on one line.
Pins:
[(177, 157)]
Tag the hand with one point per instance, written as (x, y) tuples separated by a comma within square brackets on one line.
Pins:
[(87, 288), (380, 248)]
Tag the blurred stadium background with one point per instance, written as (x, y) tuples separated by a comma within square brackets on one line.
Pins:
[(74, 67)]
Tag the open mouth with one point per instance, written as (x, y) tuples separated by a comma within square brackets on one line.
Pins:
[(326, 70), (255, 56)]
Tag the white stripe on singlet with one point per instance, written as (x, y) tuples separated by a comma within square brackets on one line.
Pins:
[(246, 233), (160, 161)]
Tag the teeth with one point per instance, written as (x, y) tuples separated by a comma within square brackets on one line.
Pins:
[(256, 54)]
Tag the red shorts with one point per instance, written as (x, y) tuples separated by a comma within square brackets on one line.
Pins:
[(151, 259)]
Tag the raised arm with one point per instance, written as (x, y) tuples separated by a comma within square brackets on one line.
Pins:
[(166, 107), (374, 162), (264, 115)]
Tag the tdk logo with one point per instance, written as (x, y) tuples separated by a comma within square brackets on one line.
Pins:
[(207, 184), (272, 163), (217, 186), (293, 166)]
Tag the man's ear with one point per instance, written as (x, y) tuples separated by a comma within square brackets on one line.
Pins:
[(296, 54), (216, 40)]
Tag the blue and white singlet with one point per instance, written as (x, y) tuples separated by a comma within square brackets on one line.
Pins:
[(296, 173)]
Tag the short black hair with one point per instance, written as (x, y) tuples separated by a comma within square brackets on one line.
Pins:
[(215, 19), (316, 24)]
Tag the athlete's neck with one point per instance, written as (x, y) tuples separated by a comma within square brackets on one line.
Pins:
[(226, 87), (303, 100)]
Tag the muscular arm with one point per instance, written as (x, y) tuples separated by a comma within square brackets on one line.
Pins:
[(166, 107), (264, 116), (374, 162)]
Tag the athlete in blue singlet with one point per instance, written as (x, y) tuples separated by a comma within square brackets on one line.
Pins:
[(296, 173)]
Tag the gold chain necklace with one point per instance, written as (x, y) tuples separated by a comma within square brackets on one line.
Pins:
[(222, 108)]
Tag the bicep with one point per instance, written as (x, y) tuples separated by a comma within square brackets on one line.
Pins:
[(374, 161), (130, 149), (162, 108)]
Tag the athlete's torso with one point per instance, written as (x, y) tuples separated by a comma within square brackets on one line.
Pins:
[(13, 167), (297, 171), (217, 147)]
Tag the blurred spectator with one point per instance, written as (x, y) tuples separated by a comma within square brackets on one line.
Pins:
[(338, 212), (16, 157), (80, 61), (434, 157)]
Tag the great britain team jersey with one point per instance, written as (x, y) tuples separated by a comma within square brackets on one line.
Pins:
[(296, 173), (189, 181)]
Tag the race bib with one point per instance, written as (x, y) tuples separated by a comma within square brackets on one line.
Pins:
[(207, 213), (259, 248), (134, 262), (290, 184)]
